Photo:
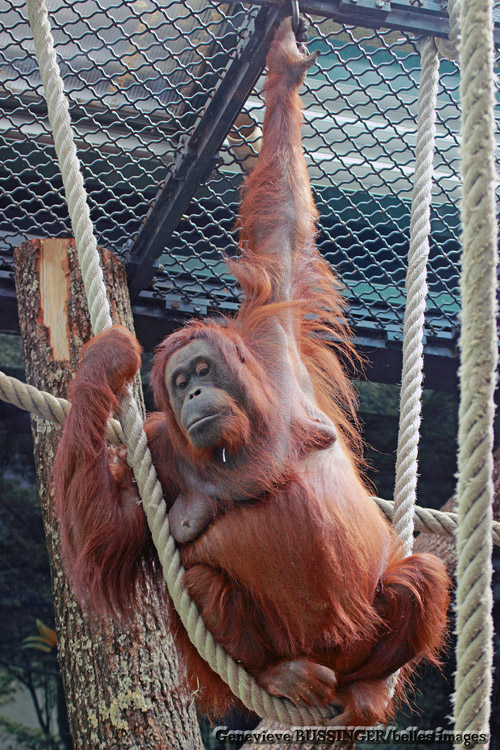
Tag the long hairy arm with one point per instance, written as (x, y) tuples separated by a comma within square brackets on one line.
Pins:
[(103, 528), (278, 215)]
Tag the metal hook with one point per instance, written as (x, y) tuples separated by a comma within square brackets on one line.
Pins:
[(295, 15)]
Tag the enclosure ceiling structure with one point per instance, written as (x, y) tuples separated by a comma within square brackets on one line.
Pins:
[(140, 79)]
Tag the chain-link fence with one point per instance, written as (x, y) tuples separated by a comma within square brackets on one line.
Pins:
[(138, 75)]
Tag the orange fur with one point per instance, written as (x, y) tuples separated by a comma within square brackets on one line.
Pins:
[(304, 572)]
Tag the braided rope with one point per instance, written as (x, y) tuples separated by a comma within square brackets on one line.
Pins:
[(405, 492), (76, 197), (139, 457), (50, 407), (449, 47), (430, 521), (478, 343), (45, 405)]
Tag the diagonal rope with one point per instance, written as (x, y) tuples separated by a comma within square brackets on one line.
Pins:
[(139, 457), (76, 196), (478, 343)]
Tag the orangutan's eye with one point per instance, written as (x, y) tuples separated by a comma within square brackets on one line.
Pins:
[(202, 369), (181, 381)]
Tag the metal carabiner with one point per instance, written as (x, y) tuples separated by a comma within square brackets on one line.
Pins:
[(295, 15)]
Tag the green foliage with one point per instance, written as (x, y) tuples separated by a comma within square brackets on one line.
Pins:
[(12, 352), (25, 590), (8, 688), (15, 736)]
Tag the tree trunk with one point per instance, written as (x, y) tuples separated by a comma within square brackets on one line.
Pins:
[(123, 685)]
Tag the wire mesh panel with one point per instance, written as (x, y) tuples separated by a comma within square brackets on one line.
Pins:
[(139, 74), (359, 139)]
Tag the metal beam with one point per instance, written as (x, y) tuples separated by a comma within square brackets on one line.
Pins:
[(419, 17), (195, 160), (155, 317)]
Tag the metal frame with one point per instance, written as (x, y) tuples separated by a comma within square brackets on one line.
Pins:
[(196, 159), (155, 317), (419, 17)]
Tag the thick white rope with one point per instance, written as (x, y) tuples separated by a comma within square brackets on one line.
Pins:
[(416, 291), (239, 680), (50, 407), (45, 405), (405, 491), (478, 343), (430, 521), (76, 196)]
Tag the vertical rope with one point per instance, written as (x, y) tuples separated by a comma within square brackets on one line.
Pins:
[(416, 290), (478, 344)]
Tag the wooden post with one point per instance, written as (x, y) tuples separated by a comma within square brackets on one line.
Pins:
[(122, 684)]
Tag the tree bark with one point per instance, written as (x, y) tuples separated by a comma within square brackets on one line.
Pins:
[(123, 684)]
